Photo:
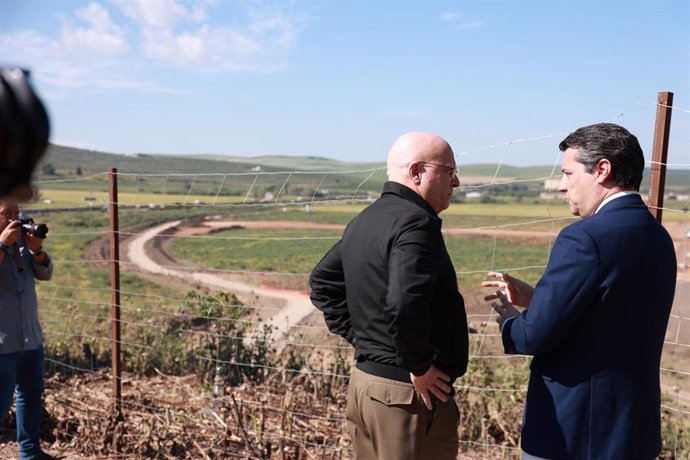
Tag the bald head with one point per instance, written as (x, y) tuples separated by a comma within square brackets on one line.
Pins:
[(425, 163), (415, 147)]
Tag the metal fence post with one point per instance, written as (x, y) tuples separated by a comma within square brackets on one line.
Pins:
[(662, 130), (115, 300)]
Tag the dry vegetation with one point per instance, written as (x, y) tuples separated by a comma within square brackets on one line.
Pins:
[(282, 406)]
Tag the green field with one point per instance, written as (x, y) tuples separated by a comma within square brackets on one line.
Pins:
[(79, 198), (172, 328), (166, 329), (82, 287), (297, 252)]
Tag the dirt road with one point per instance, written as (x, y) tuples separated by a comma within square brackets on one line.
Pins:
[(295, 305)]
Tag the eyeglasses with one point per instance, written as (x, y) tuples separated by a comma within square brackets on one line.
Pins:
[(453, 171)]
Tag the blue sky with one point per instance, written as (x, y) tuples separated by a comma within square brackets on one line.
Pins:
[(342, 79)]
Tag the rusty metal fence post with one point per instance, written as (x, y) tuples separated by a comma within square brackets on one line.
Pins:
[(115, 300), (662, 130)]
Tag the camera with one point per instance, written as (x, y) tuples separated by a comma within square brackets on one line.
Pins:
[(37, 230)]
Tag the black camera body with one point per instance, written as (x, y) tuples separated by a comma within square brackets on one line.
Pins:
[(37, 230)]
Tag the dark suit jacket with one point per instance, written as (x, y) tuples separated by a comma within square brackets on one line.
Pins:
[(596, 327)]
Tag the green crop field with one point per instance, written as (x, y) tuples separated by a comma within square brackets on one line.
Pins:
[(298, 251)]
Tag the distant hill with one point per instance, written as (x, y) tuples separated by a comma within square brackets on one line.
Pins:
[(284, 163), (326, 164), (205, 174), (67, 161)]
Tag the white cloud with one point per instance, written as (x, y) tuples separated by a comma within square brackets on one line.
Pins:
[(458, 22), (448, 16), (25, 47), (97, 16), (158, 14), (92, 50), (84, 53), (102, 38), (173, 36), (214, 49), (277, 29), (55, 62)]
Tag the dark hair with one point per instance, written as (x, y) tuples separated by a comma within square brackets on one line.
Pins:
[(24, 130), (611, 142)]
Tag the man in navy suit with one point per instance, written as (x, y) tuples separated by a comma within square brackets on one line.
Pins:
[(596, 320)]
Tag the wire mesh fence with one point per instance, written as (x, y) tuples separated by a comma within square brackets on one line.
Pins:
[(223, 355)]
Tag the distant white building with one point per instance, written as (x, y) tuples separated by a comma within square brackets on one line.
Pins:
[(552, 184), (551, 190), (472, 195)]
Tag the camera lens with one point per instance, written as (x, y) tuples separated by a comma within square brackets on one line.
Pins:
[(37, 230)]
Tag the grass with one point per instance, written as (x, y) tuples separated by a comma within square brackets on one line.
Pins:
[(75, 305), (505, 212), (280, 251), (96, 199), (298, 251), (157, 332)]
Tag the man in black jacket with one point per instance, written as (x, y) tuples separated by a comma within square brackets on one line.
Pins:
[(389, 288)]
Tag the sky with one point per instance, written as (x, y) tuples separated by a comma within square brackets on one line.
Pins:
[(343, 79)]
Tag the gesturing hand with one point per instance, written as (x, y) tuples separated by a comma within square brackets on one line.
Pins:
[(516, 291), (505, 310)]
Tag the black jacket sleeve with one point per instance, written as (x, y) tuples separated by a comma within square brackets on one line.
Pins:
[(328, 293), (413, 270)]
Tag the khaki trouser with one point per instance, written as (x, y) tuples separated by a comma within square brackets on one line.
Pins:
[(388, 421)]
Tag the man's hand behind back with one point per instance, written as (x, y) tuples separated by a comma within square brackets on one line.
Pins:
[(432, 382)]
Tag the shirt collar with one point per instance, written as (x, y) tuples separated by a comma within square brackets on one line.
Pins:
[(407, 193), (613, 197)]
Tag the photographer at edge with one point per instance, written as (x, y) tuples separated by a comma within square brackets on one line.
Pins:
[(24, 130), (22, 260)]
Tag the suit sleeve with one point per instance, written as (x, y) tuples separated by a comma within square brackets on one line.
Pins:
[(328, 293), (565, 291)]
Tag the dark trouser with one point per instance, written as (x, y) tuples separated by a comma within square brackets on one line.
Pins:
[(388, 421), (23, 372)]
